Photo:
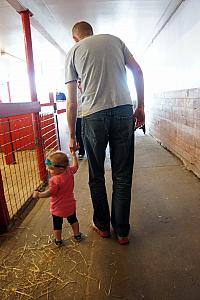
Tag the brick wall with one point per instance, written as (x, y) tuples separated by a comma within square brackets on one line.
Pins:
[(175, 123)]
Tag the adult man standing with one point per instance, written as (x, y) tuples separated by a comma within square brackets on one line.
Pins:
[(99, 61)]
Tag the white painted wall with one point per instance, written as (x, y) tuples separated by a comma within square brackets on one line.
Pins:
[(172, 62)]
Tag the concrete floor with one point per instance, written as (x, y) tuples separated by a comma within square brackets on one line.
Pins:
[(162, 261)]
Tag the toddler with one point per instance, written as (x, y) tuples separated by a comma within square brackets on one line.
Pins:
[(61, 191)]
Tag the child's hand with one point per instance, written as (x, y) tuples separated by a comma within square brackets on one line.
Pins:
[(73, 153), (36, 194)]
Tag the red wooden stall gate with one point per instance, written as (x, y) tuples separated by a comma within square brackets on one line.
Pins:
[(25, 137)]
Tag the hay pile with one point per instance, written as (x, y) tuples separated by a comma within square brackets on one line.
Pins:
[(40, 270)]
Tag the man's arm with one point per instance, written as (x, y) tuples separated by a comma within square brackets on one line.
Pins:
[(71, 113), (139, 85)]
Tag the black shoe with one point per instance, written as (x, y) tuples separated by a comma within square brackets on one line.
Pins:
[(79, 237), (80, 156), (58, 243)]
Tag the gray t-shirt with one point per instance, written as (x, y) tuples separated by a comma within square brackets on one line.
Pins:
[(99, 61)]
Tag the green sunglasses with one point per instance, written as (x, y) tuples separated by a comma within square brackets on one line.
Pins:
[(49, 163)]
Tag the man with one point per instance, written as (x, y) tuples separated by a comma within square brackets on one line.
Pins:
[(99, 61)]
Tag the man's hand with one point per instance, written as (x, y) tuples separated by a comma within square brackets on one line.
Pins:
[(139, 115), (73, 145)]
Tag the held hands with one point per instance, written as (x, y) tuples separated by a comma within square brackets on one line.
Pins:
[(74, 158), (72, 153), (73, 145), (139, 116)]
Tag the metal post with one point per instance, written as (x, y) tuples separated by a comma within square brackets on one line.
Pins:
[(9, 94), (0, 94), (10, 152), (25, 15), (6, 141), (4, 215), (51, 99)]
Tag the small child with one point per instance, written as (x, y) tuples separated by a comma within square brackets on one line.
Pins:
[(61, 191)]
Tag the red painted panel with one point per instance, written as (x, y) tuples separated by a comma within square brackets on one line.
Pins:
[(6, 141), (48, 131), (17, 134), (22, 132)]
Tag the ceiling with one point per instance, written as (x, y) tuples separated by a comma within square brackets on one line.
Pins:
[(135, 21)]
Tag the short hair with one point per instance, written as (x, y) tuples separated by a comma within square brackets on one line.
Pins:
[(59, 158), (82, 29)]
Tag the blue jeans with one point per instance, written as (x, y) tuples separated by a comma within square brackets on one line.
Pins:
[(116, 127)]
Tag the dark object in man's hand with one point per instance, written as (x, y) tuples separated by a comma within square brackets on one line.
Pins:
[(142, 127)]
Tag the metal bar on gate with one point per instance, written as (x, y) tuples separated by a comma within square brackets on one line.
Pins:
[(19, 108), (46, 104), (10, 156), (4, 215), (61, 111), (51, 100), (25, 16), (57, 130)]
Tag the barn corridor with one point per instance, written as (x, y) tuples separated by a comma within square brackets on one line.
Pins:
[(160, 263)]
